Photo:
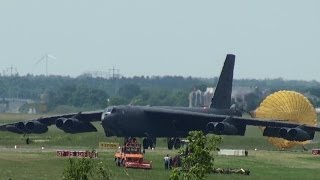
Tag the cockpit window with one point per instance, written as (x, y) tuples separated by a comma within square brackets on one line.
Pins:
[(107, 112), (113, 110)]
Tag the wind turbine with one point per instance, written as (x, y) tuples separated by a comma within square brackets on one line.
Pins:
[(46, 58)]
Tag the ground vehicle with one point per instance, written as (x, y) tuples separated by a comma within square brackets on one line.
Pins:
[(130, 156)]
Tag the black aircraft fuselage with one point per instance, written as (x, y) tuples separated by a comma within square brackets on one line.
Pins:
[(141, 121)]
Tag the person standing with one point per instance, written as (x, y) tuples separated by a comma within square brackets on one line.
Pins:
[(166, 161)]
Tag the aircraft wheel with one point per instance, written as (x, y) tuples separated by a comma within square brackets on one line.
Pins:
[(145, 143), (170, 143), (177, 144), (152, 142)]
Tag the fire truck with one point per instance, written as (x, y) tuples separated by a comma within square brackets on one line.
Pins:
[(130, 156)]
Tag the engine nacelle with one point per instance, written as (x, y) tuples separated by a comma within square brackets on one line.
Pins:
[(18, 128), (298, 134), (68, 123), (60, 122), (36, 127), (210, 127), (283, 132), (222, 128), (272, 132), (291, 134), (73, 125)]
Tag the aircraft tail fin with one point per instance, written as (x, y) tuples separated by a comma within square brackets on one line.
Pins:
[(222, 95)]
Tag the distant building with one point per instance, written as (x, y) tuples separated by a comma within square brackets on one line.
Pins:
[(32, 111), (208, 94), (3, 106), (245, 97), (13, 105), (196, 98)]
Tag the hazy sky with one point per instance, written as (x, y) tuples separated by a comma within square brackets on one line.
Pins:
[(270, 38)]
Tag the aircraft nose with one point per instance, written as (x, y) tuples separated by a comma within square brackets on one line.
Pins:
[(107, 123), (110, 124)]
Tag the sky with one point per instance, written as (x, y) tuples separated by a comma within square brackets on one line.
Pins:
[(271, 39)]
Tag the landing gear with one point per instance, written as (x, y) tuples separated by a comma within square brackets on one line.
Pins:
[(27, 140), (170, 143), (149, 142), (174, 142), (145, 143), (129, 140), (177, 143)]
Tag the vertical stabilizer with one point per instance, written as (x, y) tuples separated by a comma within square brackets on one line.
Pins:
[(222, 95)]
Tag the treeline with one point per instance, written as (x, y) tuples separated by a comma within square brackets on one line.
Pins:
[(272, 84), (86, 91)]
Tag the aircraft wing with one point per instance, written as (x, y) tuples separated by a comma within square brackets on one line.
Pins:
[(185, 116), (231, 125), (70, 123), (273, 123), (3, 127)]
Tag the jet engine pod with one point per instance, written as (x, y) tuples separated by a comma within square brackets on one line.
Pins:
[(18, 128), (292, 107), (298, 134), (36, 127), (295, 134), (283, 133), (224, 128), (60, 122), (68, 123), (73, 125), (272, 132), (290, 134), (210, 127), (221, 128)]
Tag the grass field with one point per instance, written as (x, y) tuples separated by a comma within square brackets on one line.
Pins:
[(262, 164), (30, 162)]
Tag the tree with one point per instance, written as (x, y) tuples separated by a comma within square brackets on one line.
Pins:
[(85, 169), (202, 87), (115, 101), (199, 158), (252, 101), (128, 91)]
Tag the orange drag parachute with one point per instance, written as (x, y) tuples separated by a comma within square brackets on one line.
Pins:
[(289, 106)]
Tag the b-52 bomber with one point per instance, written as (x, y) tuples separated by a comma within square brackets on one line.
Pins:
[(150, 122)]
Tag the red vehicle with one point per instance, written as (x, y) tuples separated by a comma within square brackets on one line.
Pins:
[(315, 151), (130, 156)]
